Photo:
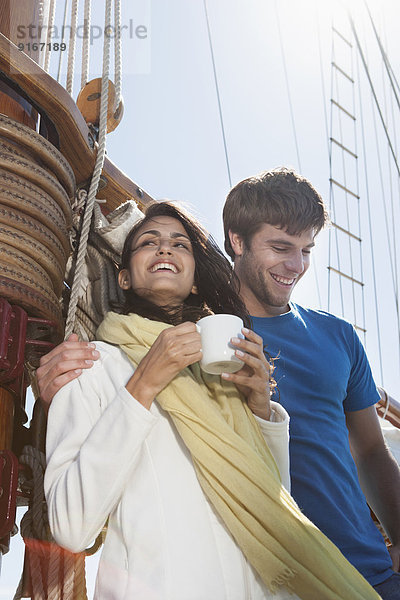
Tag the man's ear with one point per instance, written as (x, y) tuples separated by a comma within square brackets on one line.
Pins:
[(124, 279), (237, 243), (194, 290)]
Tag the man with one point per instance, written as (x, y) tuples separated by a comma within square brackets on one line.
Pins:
[(323, 375)]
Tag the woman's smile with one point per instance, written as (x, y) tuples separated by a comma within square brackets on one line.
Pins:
[(162, 264)]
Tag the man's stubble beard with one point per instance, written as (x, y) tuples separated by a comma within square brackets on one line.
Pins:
[(255, 279)]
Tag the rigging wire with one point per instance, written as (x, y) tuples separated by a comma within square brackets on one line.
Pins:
[(358, 207), (374, 94), (324, 96), (331, 200), (385, 211), (370, 227), (394, 128), (218, 94), (390, 249), (363, 311), (287, 86), (324, 101), (386, 62), (332, 196), (293, 122), (345, 182), (389, 166)]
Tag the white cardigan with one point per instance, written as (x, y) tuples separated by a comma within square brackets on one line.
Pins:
[(109, 457)]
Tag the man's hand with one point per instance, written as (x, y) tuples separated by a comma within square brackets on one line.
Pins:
[(394, 552), (64, 363), (253, 379)]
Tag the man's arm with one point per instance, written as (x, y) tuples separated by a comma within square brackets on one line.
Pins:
[(63, 364), (378, 472)]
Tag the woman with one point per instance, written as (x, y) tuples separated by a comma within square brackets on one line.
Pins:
[(191, 492)]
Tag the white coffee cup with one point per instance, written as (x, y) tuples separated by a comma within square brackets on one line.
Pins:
[(218, 353)]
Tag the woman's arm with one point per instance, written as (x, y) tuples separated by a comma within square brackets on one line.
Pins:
[(95, 436), (92, 449)]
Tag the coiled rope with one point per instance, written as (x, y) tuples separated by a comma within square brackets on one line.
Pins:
[(36, 189)]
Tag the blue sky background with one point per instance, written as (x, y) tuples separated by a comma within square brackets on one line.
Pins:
[(273, 67)]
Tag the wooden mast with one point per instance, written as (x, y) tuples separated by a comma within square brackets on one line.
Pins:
[(17, 19), (16, 16)]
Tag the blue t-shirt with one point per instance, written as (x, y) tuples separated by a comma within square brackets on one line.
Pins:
[(322, 371)]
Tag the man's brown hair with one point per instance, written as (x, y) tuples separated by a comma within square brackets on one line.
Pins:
[(278, 197)]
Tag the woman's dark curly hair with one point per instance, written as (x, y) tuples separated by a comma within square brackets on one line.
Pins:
[(217, 285)]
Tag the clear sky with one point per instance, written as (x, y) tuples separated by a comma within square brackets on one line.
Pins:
[(273, 66)]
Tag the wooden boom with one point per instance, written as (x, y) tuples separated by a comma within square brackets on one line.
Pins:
[(68, 130)]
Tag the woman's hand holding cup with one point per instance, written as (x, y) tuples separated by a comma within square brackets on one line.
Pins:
[(174, 349), (254, 378)]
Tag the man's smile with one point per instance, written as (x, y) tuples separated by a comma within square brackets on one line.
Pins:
[(283, 280)]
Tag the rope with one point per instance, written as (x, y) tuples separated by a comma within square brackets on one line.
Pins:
[(61, 54), (85, 44), (72, 47), (118, 52), (52, 12), (218, 94), (69, 327), (99, 286)]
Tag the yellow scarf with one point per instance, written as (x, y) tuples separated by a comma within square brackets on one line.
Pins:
[(239, 476)]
